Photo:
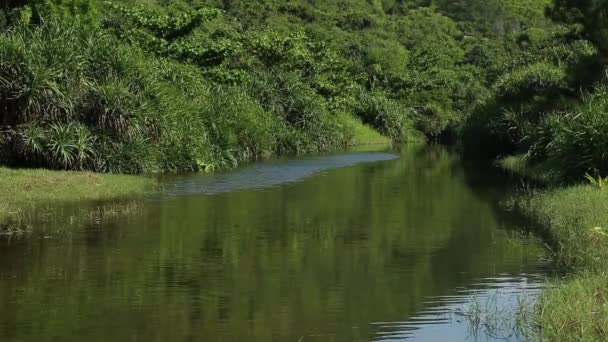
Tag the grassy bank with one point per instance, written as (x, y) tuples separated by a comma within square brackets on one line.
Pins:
[(26, 190), (366, 135), (576, 221)]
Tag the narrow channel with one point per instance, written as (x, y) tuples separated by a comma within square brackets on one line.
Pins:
[(362, 246)]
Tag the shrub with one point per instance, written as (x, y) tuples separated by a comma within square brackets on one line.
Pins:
[(390, 117), (578, 140), (532, 80)]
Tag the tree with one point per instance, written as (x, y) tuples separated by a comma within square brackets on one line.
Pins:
[(591, 14)]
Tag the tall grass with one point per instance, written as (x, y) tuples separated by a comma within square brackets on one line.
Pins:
[(393, 118), (76, 90), (576, 221), (520, 165), (364, 134), (76, 97), (578, 140), (576, 310)]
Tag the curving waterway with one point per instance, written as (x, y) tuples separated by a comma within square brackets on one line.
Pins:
[(366, 246)]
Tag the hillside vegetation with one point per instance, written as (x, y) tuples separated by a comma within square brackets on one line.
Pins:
[(157, 86)]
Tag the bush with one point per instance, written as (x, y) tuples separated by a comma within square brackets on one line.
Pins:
[(240, 125), (390, 117), (532, 80), (578, 141)]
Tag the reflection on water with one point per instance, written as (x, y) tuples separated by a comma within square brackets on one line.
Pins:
[(357, 247), (264, 175)]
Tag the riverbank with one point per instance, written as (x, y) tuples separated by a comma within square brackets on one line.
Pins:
[(24, 190), (574, 220)]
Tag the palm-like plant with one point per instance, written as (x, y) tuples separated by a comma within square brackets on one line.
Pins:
[(84, 145), (62, 145), (34, 140), (599, 181)]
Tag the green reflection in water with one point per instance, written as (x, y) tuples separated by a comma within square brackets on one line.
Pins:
[(319, 259)]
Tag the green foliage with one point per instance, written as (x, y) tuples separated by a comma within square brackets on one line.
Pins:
[(521, 166), (591, 14), (384, 56), (37, 11), (393, 118), (577, 140), (165, 24), (365, 134), (600, 182), (91, 102), (576, 310), (540, 79), (495, 17), (188, 85), (98, 113), (575, 220), (571, 216)]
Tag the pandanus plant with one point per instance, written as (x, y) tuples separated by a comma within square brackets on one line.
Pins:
[(598, 182)]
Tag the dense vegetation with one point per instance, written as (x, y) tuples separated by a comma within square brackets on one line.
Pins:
[(547, 119), (549, 105), (157, 86), (134, 86)]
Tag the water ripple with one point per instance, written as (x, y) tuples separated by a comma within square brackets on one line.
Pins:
[(266, 174)]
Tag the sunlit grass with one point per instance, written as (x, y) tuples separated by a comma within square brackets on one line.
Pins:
[(576, 310), (24, 190), (25, 185), (576, 221), (366, 135)]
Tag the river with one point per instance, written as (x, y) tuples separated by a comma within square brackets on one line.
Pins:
[(360, 246)]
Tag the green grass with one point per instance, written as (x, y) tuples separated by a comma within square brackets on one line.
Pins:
[(576, 310), (576, 222), (24, 190), (367, 135), (27, 185)]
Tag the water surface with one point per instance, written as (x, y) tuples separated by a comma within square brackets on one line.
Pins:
[(352, 247)]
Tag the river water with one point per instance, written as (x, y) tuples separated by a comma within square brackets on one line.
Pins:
[(362, 246)]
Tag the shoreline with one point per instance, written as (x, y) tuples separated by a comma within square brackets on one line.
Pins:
[(27, 190), (573, 221)]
